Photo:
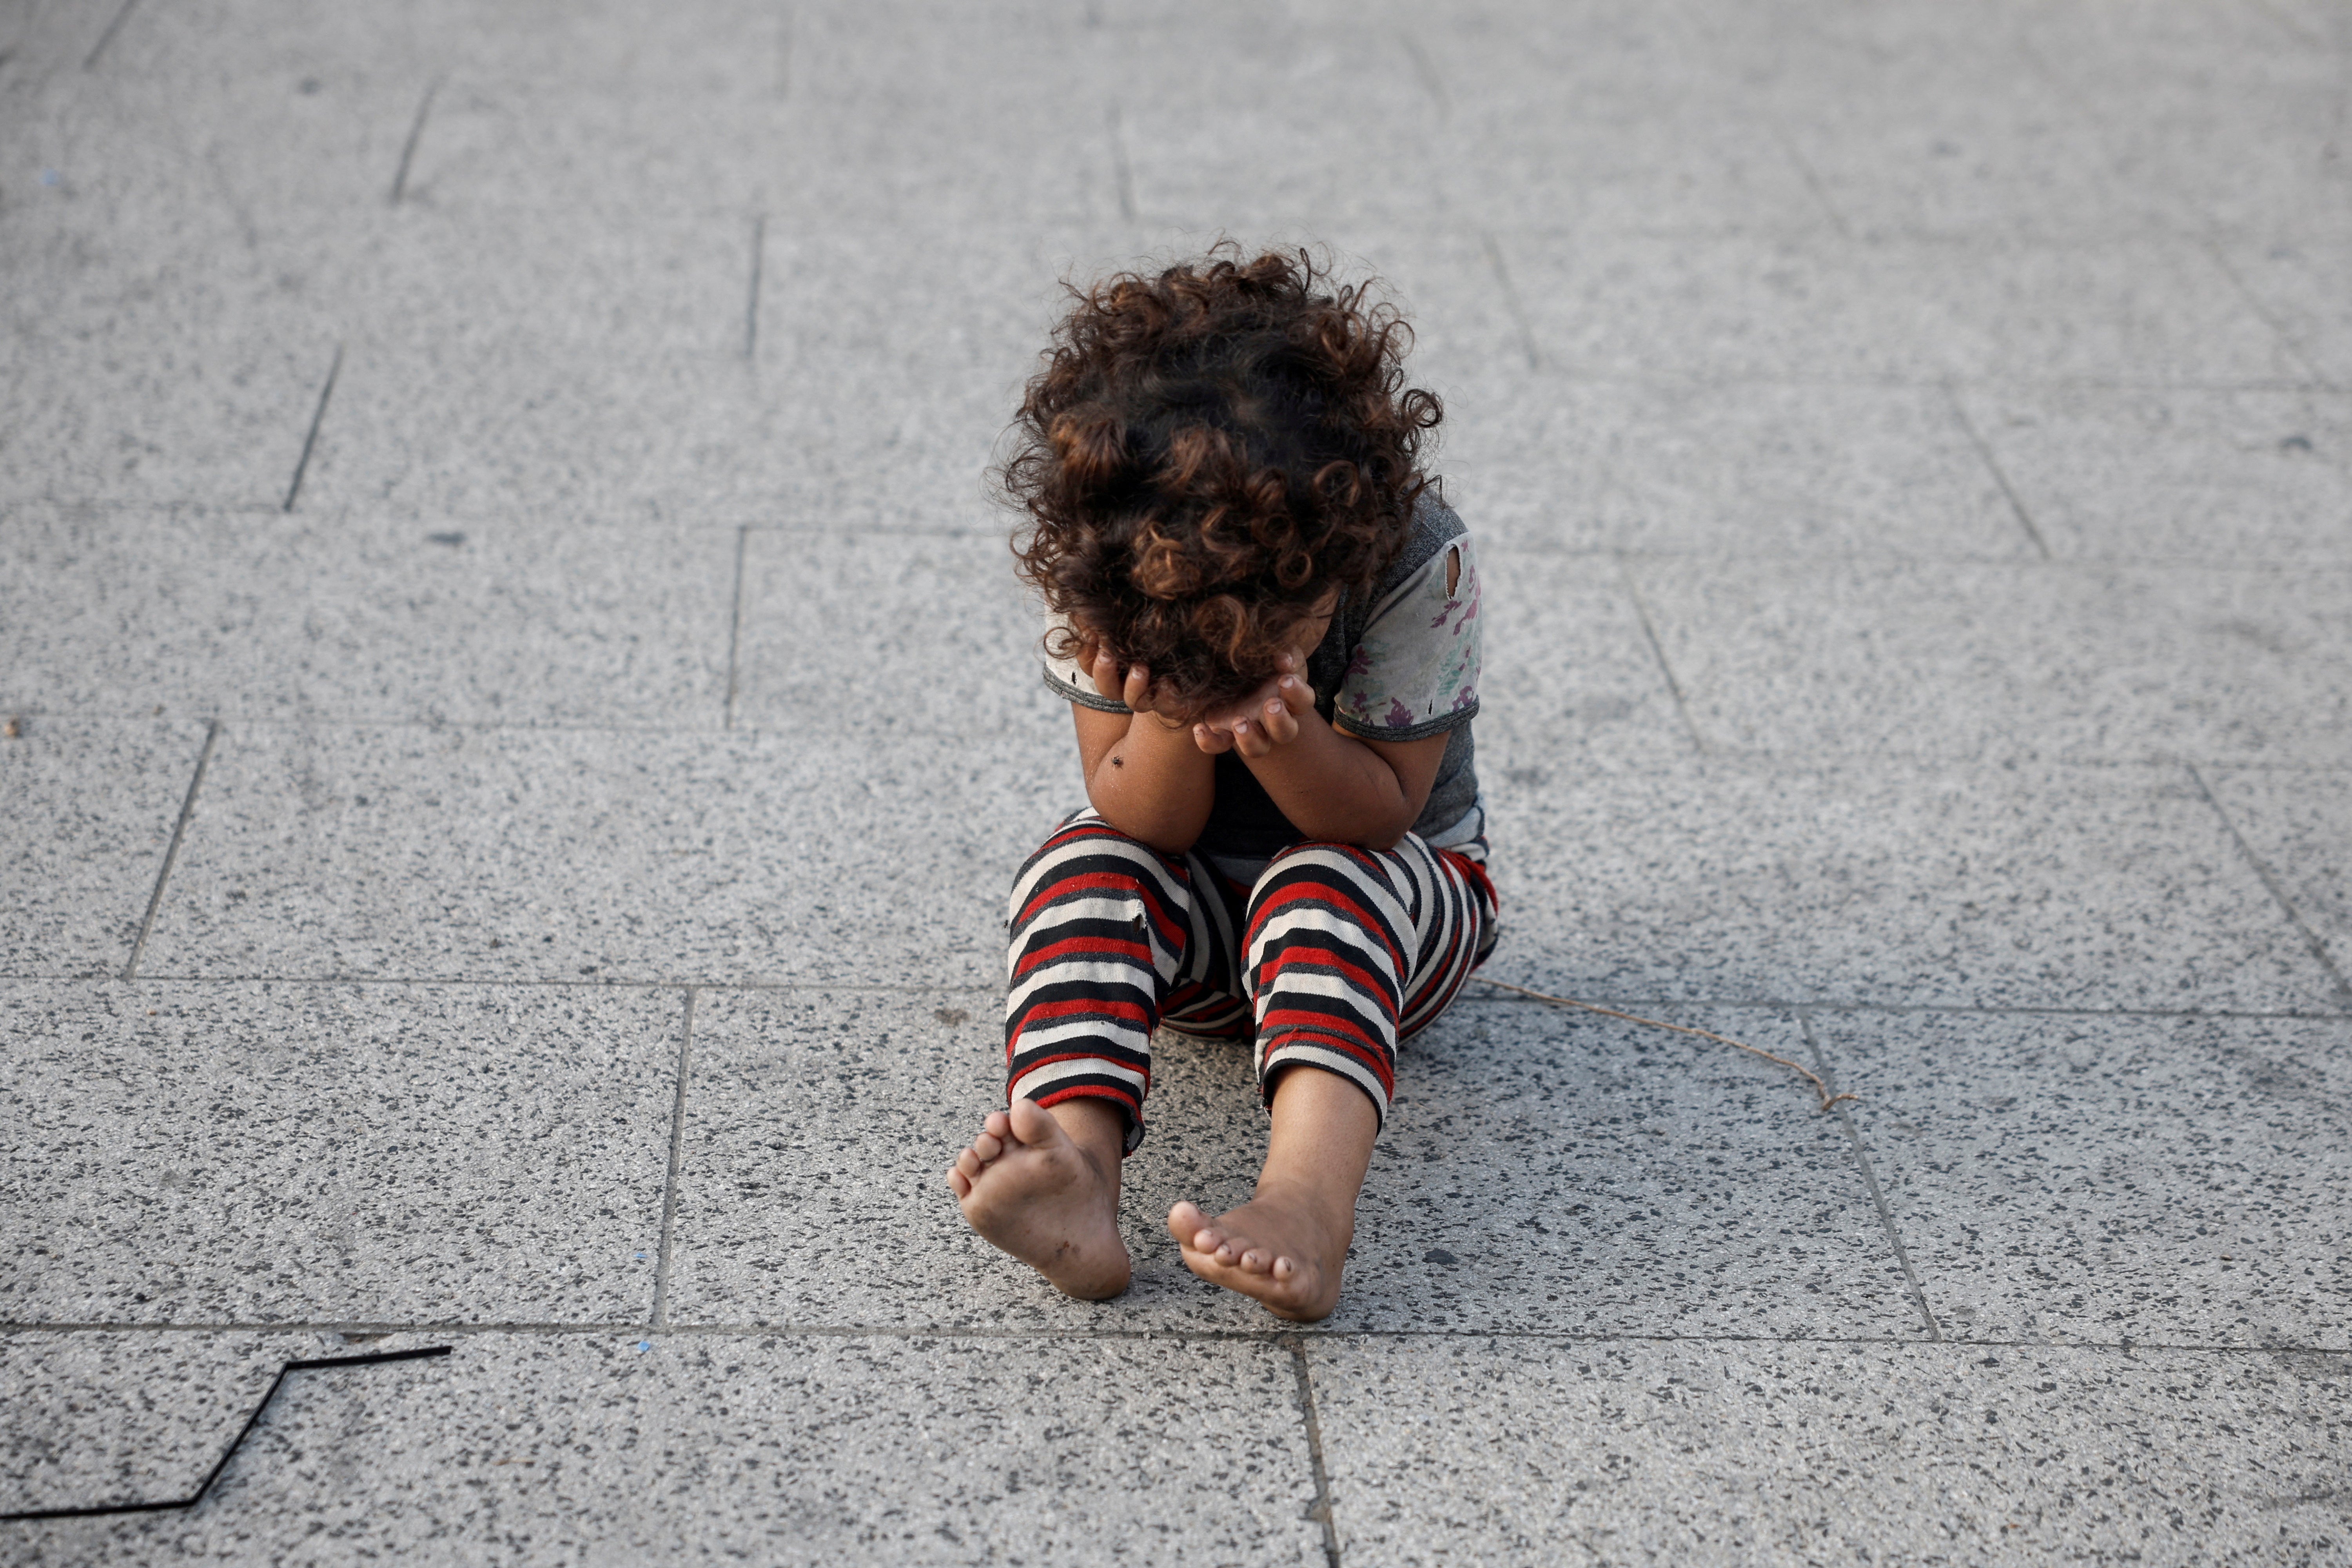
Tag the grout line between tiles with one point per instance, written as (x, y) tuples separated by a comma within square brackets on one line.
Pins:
[(1870, 1180), (1658, 649), (930, 988), (1511, 301), (415, 134), (1122, 174), (171, 851), (1993, 465), (1320, 1510), (363, 1330), (89, 61), (735, 627), (677, 1158), (1425, 69), (751, 303), (2291, 341), (2278, 893), (311, 438), (1812, 179)]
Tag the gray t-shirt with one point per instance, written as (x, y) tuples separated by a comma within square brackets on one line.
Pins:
[(1400, 663)]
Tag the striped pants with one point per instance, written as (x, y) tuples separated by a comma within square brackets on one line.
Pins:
[(1333, 957)]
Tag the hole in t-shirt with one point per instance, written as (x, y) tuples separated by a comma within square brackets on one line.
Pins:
[(1452, 569)]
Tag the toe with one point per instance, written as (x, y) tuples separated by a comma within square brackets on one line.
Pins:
[(1185, 1223), (1030, 1124)]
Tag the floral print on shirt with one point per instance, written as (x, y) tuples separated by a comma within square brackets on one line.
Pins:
[(1417, 663)]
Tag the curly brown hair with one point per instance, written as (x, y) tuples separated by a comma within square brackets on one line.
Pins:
[(1206, 454)]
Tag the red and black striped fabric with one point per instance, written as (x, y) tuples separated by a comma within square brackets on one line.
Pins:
[(1335, 954)]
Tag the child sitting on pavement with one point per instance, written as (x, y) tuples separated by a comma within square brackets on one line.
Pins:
[(1267, 626)]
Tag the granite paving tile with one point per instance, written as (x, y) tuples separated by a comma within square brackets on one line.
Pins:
[(1977, 146), (1441, 275), (2180, 1180), (2232, 478), (1988, 885), (1534, 1451), (1624, 155), (270, 1152), (2299, 823), (812, 1185), (360, 616), (1736, 307), (693, 54), (893, 359), (1521, 455), (1234, 129), (1684, 1189), (2249, 139), (498, 141), (529, 428), (1567, 662), (2095, 662), (1549, 1172), (91, 804), (449, 853), (824, 612), (269, 159), (588, 280), (99, 1418), (818, 1451), (1763, 469), (176, 395), (2132, 312), (953, 115), (2292, 280)]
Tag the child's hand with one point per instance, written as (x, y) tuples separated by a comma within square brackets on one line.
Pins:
[(1263, 719), (1133, 687)]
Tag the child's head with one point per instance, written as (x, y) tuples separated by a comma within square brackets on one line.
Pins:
[(1207, 455)]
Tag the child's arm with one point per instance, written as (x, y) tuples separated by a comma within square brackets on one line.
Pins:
[(1144, 774), (1333, 787)]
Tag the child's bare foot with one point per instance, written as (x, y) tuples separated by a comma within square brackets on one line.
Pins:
[(1286, 1252), (1031, 1188)]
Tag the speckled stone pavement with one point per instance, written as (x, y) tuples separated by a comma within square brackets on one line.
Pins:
[(519, 722)]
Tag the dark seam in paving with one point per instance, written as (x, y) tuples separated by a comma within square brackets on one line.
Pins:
[(1426, 69), (1658, 649), (172, 850), (677, 1157), (1268, 1336), (928, 988), (1812, 179), (2289, 340), (1320, 1509), (752, 304), (735, 627), (1992, 466), (229, 1453), (1511, 299), (1870, 1180), (310, 441), (415, 134), (2262, 869), (1122, 176), (1961, 1009), (89, 61)]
